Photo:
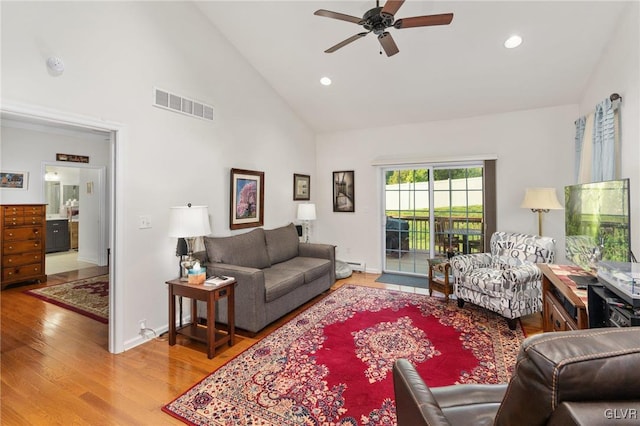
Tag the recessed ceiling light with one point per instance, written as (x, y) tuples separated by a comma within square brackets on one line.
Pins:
[(325, 81), (513, 41)]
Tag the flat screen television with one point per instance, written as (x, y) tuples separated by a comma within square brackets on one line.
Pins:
[(597, 223)]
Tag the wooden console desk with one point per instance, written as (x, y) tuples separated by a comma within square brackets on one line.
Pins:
[(564, 306)]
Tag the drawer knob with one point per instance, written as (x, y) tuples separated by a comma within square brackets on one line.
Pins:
[(10, 260)]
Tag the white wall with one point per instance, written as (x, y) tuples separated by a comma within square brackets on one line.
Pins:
[(618, 71), (115, 53), (534, 148)]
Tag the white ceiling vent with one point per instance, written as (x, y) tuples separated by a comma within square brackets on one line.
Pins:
[(172, 102)]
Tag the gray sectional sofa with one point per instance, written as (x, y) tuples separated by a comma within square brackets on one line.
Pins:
[(275, 273)]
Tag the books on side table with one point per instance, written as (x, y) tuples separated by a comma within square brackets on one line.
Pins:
[(217, 280)]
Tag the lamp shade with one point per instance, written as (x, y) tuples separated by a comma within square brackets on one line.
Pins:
[(541, 199), (307, 211), (189, 221)]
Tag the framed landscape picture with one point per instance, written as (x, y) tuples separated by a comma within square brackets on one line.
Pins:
[(301, 187), (344, 192), (247, 199), (14, 180)]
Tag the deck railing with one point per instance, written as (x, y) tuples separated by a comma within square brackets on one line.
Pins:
[(419, 231)]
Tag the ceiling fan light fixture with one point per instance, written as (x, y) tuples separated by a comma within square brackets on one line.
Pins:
[(513, 42), (378, 19), (325, 81)]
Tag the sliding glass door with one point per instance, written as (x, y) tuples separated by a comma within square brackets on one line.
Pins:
[(431, 211)]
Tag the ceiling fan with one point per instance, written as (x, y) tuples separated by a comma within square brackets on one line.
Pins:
[(378, 19)]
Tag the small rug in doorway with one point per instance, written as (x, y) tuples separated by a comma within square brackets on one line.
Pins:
[(332, 364), (408, 280), (89, 296)]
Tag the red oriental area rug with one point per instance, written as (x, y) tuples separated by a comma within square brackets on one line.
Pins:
[(332, 364), (89, 296)]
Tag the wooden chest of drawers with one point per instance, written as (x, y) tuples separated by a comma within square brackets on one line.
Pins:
[(23, 243)]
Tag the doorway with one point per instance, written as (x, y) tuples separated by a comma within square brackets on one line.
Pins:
[(76, 217), (115, 133)]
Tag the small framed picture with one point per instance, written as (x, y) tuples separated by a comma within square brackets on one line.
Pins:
[(301, 187), (247, 199), (14, 180), (344, 192)]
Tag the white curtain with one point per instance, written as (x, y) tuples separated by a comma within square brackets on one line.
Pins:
[(597, 144)]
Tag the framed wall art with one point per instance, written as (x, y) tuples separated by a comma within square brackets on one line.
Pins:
[(343, 192), (14, 180), (247, 199), (73, 158), (301, 187)]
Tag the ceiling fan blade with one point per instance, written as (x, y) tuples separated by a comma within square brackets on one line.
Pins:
[(424, 21), (392, 6), (345, 42), (336, 15), (389, 46)]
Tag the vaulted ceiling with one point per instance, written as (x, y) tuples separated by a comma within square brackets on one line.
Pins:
[(441, 72)]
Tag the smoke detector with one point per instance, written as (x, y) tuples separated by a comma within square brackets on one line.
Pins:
[(55, 66)]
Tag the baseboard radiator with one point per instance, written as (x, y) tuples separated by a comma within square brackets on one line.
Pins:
[(357, 266)]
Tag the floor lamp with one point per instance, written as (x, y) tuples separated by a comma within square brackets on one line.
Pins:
[(541, 200)]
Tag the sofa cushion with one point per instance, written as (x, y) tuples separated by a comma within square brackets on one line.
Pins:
[(248, 249), (278, 282), (312, 267), (282, 243)]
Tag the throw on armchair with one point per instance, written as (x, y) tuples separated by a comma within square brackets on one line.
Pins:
[(507, 280), (583, 377)]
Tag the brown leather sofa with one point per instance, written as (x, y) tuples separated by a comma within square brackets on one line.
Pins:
[(584, 377)]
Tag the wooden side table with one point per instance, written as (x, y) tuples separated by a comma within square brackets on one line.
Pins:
[(209, 294), (439, 270)]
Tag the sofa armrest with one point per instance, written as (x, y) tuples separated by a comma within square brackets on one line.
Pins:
[(463, 263), (321, 251), (415, 404), (201, 256), (522, 274), (249, 292)]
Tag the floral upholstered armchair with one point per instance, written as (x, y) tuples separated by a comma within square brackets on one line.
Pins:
[(507, 280)]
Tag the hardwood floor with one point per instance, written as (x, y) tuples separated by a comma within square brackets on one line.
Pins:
[(56, 368)]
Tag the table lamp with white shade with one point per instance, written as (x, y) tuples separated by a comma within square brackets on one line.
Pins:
[(188, 222), (306, 213), (541, 200)]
